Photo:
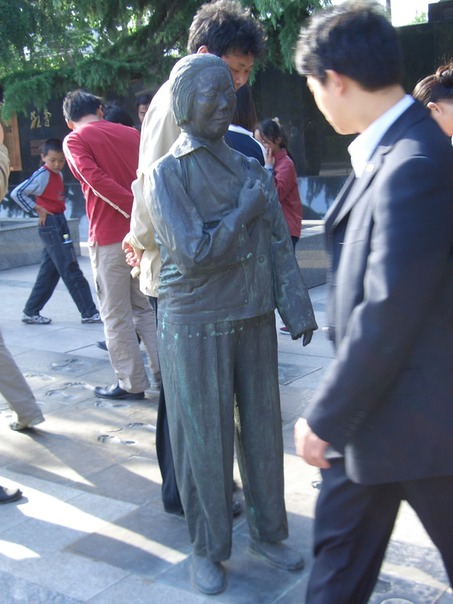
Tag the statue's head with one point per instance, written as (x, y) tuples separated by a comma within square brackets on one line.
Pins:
[(203, 95)]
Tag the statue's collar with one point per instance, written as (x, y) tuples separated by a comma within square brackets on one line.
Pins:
[(186, 144)]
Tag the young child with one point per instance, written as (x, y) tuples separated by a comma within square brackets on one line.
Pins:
[(58, 256), (269, 133)]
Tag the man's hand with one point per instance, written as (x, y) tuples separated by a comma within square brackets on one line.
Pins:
[(133, 256), (42, 214), (309, 446)]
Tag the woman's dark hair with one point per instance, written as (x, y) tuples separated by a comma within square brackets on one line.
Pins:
[(245, 114), (271, 130), (437, 86)]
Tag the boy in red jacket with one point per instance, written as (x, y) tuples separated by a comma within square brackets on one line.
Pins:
[(58, 256)]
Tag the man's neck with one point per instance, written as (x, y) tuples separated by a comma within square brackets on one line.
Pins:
[(86, 119), (374, 104)]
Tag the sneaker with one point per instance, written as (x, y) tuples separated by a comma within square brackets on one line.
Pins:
[(96, 318), (285, 331), (36, 320), (18, 426)]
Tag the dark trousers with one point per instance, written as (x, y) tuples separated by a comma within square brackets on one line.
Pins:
[(58, 259), (219, 378), (353, 525), (170, 492)]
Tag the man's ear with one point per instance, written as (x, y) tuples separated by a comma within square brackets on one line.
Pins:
[(70, 124), (203, 50), (434, 107), (336, 80)]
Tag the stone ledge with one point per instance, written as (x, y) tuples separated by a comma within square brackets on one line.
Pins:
[(311, 254), (20, 244)]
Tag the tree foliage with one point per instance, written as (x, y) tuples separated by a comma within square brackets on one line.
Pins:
[(51, 46)]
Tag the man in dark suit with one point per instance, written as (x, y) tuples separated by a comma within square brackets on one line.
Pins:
[(380, 425)]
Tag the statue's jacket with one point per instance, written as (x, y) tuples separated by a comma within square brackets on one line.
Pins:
[(217, 263)]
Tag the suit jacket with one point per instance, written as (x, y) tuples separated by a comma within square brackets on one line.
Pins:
[(387, 400)]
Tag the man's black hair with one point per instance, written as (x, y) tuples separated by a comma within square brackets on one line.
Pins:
[(144, 99), (79, 103), (224, 26), (354, 39)]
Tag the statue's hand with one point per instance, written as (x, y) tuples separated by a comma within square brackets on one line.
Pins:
[(308, 334), (252, 199)]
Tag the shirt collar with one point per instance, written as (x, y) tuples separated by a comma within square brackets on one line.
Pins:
[(362, 148)]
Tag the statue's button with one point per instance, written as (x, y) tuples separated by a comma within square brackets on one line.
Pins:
[(261, 259)]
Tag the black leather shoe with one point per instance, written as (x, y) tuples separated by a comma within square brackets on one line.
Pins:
[(8, 495), (237, 508), (117, 393), (177, 511), (278, 554), (208, 576)]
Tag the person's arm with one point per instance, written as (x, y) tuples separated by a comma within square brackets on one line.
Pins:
[(4, 166), (291, 294), (35, 185), (140, 236), (159, 130), (285, 177), (84, 167), (197, 246)]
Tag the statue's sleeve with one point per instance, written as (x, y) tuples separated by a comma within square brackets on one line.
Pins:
[(291, 294), (195, 246)]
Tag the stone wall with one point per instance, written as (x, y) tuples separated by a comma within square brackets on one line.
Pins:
[(20, 244)]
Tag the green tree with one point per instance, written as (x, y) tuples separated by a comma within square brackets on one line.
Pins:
[(420, 18), (51, 46)]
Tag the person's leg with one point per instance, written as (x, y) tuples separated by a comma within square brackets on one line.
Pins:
[(170, 492), (16, 391), (112, 277), (432, 500), (44, 286), (259, 440), (64, 258), (145, 324), (353, 525), (197, 376)]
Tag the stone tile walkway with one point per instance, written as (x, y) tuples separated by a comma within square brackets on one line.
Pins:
[(91, 527)]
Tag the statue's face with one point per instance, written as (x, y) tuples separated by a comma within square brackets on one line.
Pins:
[(213, 105)]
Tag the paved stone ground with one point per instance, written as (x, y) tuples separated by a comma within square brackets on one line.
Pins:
[(91, 527)]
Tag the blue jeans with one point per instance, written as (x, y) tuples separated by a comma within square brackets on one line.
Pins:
[(59, 260)]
